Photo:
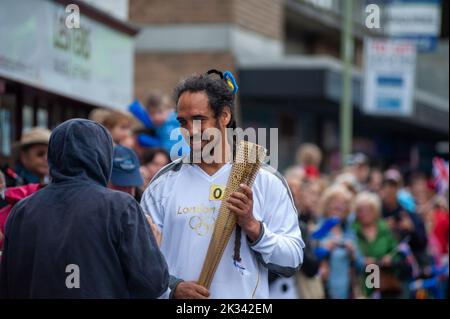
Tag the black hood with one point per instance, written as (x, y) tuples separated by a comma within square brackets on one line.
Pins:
[(80, 150)]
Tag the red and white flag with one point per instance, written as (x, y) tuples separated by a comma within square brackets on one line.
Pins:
[(440, 175)]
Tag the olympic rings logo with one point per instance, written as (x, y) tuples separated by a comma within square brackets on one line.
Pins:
[(202, 224)]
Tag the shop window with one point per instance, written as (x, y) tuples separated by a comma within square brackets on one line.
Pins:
[(42, 118), (5, 132), (27, 118), (7, 127)]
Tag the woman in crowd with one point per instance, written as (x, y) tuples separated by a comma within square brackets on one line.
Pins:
[(343, 258), (376, 242), (152, 161)]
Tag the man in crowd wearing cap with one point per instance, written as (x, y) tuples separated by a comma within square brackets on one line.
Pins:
[(358, 165), (30, 173), (405, 224), (126, 176), (31, 166), (76, 238)]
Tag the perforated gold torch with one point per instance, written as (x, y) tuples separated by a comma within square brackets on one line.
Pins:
[(249, 157)]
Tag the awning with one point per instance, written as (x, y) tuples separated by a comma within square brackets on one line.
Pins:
[(319, 78)]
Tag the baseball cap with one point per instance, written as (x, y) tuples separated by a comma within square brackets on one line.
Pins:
[(357, 159), (393, 175), (125, 171)]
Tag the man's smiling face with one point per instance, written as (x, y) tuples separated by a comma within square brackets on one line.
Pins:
[(194, 106)]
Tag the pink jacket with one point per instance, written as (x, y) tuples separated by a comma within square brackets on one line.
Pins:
[(13, 195)]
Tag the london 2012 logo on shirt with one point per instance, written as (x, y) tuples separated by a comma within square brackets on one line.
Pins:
[(202, 218), (202, 224)]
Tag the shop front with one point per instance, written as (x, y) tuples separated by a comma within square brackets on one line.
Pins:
[(52, 69)]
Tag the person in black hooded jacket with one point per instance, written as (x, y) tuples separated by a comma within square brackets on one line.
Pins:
[(76, 238)]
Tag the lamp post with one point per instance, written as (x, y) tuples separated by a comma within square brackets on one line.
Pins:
[(346, 107)]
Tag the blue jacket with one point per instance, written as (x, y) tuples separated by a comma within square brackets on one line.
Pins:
[(77, 228), (339, 284), (164, 132)]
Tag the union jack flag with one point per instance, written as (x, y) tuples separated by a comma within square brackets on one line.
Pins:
[(440, 175)]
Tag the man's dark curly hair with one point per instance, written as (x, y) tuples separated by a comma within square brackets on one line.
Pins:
[(215, 87)]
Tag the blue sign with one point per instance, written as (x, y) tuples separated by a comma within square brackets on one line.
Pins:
[(418, 21)]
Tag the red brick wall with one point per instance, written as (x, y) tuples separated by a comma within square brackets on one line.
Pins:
[(180, 11), (262, 16), (162, 71)]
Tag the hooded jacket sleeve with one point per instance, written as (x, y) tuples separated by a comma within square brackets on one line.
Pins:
[(144, 266)]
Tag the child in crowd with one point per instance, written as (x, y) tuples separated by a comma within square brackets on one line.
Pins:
[(119, 125), (163, 116)]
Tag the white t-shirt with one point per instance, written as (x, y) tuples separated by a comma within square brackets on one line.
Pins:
[(184, 202)]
